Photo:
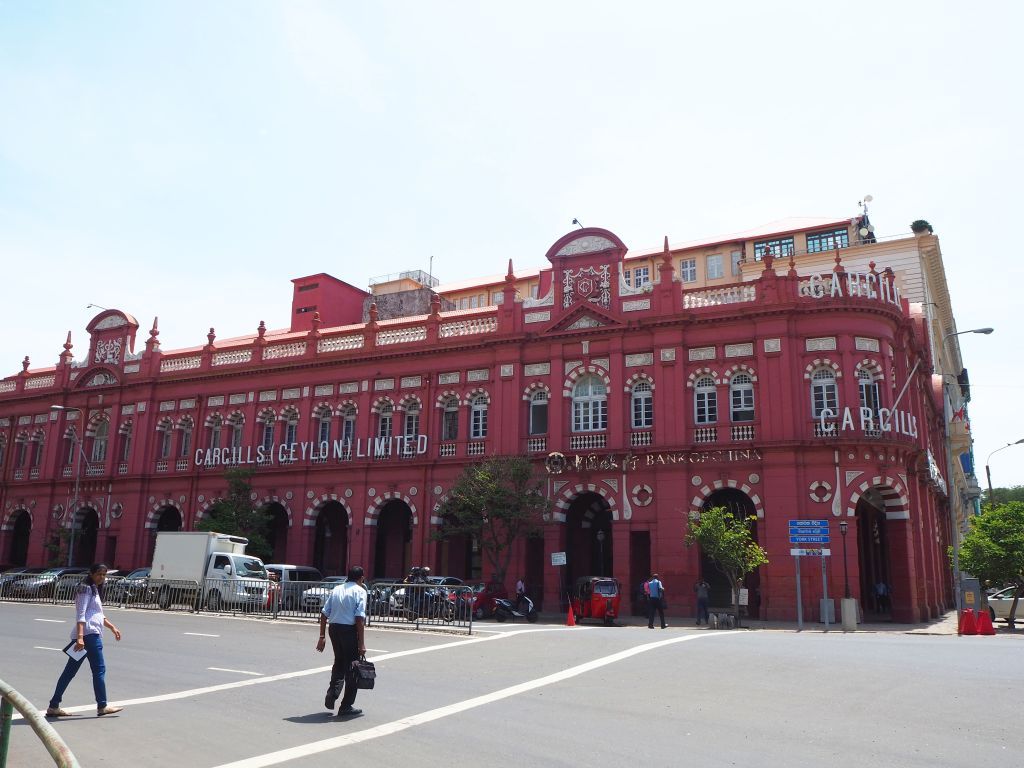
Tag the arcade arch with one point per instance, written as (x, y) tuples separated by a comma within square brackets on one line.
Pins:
[(742, 507), (588, 537), (331, 538), (392, 545), (19, 528)]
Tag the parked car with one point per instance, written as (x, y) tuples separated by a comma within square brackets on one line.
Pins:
[(133, 587), (313, 599), (1000, 603), (45, 583), (293, 581), (479, 598), (10, 577)]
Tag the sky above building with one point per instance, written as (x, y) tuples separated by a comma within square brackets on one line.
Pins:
[(187, 159)]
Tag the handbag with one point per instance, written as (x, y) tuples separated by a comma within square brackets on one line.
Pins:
[(365, 672)]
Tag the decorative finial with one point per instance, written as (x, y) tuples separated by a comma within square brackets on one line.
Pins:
[(314, 330), (155, 330), (435, 306), (666, 255), (373, 312), (68, 344), (792, 265), (261, 330), (210, 337), (65, 356), (25, 364)]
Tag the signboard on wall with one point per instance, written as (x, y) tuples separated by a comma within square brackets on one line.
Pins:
[(558, 558)]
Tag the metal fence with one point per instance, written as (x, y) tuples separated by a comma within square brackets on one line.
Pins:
[(416, 606), (10, 700)]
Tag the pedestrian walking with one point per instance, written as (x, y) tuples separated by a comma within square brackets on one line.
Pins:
[(87, 635), (344, 616), (656, 601), (703, 590), (520, 592)]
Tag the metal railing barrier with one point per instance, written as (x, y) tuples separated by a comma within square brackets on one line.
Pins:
[(10, 700)]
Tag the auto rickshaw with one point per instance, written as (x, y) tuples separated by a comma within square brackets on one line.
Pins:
[(595, 597)]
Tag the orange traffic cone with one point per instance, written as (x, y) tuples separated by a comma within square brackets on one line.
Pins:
[(968, 625), (985, 624), (570, 620)]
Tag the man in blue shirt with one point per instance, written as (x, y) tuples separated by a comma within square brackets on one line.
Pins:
[(656, 591), (344, 612)]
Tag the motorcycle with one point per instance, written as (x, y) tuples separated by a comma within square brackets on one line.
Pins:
[(505, 609)]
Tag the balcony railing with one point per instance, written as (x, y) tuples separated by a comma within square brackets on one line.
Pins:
[(446, 450), (588, 442), (705, 435), (536, 445), (181, 465), (641, 439), (741, 432), (122, 468), (475, 448), (94, 470), (161, 466)]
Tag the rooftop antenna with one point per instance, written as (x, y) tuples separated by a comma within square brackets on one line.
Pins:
[(430, 273), (577, 223), (866, 231), (97, 306)]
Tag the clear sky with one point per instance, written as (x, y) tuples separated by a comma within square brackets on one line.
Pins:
[(187, 159)]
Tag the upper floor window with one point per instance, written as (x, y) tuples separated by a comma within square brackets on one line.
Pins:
[(641, 276), (323, 425), (348, 425), (539, 413), (824, 393), (779, 248), (22, 451), (237, 426), (70, 446), (627, 276), (215, 424), (497, 298), (868, 387), (185, 446), (37, 457), (3, 451), (267, 432), (828, 241), (450, 419), (166, 439), (534, 290), (643, 405), (412, 420), (99, 442), (714, 266), (705, 401), (736, 257), (126, 440), (589, 405), (741, 397), (291, 426), (688, 270), (385, 421), (478, 417)]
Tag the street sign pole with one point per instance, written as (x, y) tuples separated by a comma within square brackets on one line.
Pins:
[(799, 601), (824, 590)]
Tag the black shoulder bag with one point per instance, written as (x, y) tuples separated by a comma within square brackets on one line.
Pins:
[(366, 673)]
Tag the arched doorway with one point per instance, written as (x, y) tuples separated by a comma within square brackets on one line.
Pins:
[(21, 530), (85, 527), (588, 538), (742, 508), (168, 519), (873, 556), (393, 545), (330, 539), (458, 556), (277, 532)]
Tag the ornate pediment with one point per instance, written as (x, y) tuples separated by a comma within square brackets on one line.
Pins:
[(589, 244), (583, 318), (587, 285)]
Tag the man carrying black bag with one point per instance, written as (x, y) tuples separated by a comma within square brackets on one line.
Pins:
[(345, 613)]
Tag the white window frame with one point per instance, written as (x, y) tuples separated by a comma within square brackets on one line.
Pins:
[(641, 276), (538, 404), (736, 258), (589, 405), (99, 443), (705, 401), (642, 405), (741, 398), (688, 270), (824, 391), (450, 419), (714, 268), (478, 417)]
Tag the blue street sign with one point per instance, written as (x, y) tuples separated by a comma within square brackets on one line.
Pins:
[(808, 524), (809, 540)]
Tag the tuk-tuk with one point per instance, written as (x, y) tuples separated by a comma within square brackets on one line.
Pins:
[(595, 597)]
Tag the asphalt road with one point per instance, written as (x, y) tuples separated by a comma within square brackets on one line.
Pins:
[(204, 691)]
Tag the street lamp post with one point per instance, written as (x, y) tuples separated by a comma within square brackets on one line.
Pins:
[(988, 473), (843, 525), (73, 505), (954, 517)]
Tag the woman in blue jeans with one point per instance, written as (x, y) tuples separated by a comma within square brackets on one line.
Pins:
[(88, 634)]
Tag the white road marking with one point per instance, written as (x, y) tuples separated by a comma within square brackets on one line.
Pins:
[(375, 650), (199, 634), (273, 678), (387, 729), (52, 621), (44, 648), (236, 671)]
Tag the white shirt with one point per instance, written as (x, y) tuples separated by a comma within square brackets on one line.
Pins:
[(88, 611), (345, 604)]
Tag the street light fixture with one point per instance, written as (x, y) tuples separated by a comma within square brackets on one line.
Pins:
[(73, 505), (843, 525), (988, 473), (954, 517)]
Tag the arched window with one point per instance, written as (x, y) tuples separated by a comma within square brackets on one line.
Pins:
[(385, 421), (478, 417), (323, 425), (589, 405), (37, 456), (705, 401), (99, 443), (290, 428), (236, 422), (22, 442), (450, 419), (215, 424), (165, 438), (824, 393), (3, 450), (348, 425), (70, 443), (643, 405), (869, 396), (266, 420), (411, 427), (126, 440), (741, 397), (186, 425), (539, 413)]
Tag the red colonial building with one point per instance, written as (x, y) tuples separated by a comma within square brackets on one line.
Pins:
[(784, 392)]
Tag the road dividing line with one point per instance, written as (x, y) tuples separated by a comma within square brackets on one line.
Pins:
[(236, 671), (199, 634), (395, 726), (44, 648), (52, 621)]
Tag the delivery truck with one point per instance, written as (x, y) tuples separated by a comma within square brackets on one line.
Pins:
[(202, 568)]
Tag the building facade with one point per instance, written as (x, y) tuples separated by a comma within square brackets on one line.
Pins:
[(799, 387)]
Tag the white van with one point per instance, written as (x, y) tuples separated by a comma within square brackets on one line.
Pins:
[(294, 580), (190, 564)]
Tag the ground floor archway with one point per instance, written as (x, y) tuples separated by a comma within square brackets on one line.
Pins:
[(874, 563), (392, 546), (20, 532), (85, 526), (330, 539), (277, 532), (588, 537), (742, 507)]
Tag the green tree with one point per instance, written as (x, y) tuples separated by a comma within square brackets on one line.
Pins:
[(727, 541), (235, 515), (993, 549), (495, 501), (1003, 495)]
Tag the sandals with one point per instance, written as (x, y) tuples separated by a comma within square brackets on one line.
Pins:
[(108, 710), (58, 712)]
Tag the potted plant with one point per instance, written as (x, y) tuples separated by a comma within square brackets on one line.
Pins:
[(921, 227)]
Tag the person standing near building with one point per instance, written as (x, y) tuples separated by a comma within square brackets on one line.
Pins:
[(344, 616), (88, 636), (703, 590), (656, 601), (520, 592)]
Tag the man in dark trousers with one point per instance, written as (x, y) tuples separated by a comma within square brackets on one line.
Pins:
[(656, 591), (703, 591), (344, 614)]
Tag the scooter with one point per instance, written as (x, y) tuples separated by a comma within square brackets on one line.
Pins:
[(505, 609)]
